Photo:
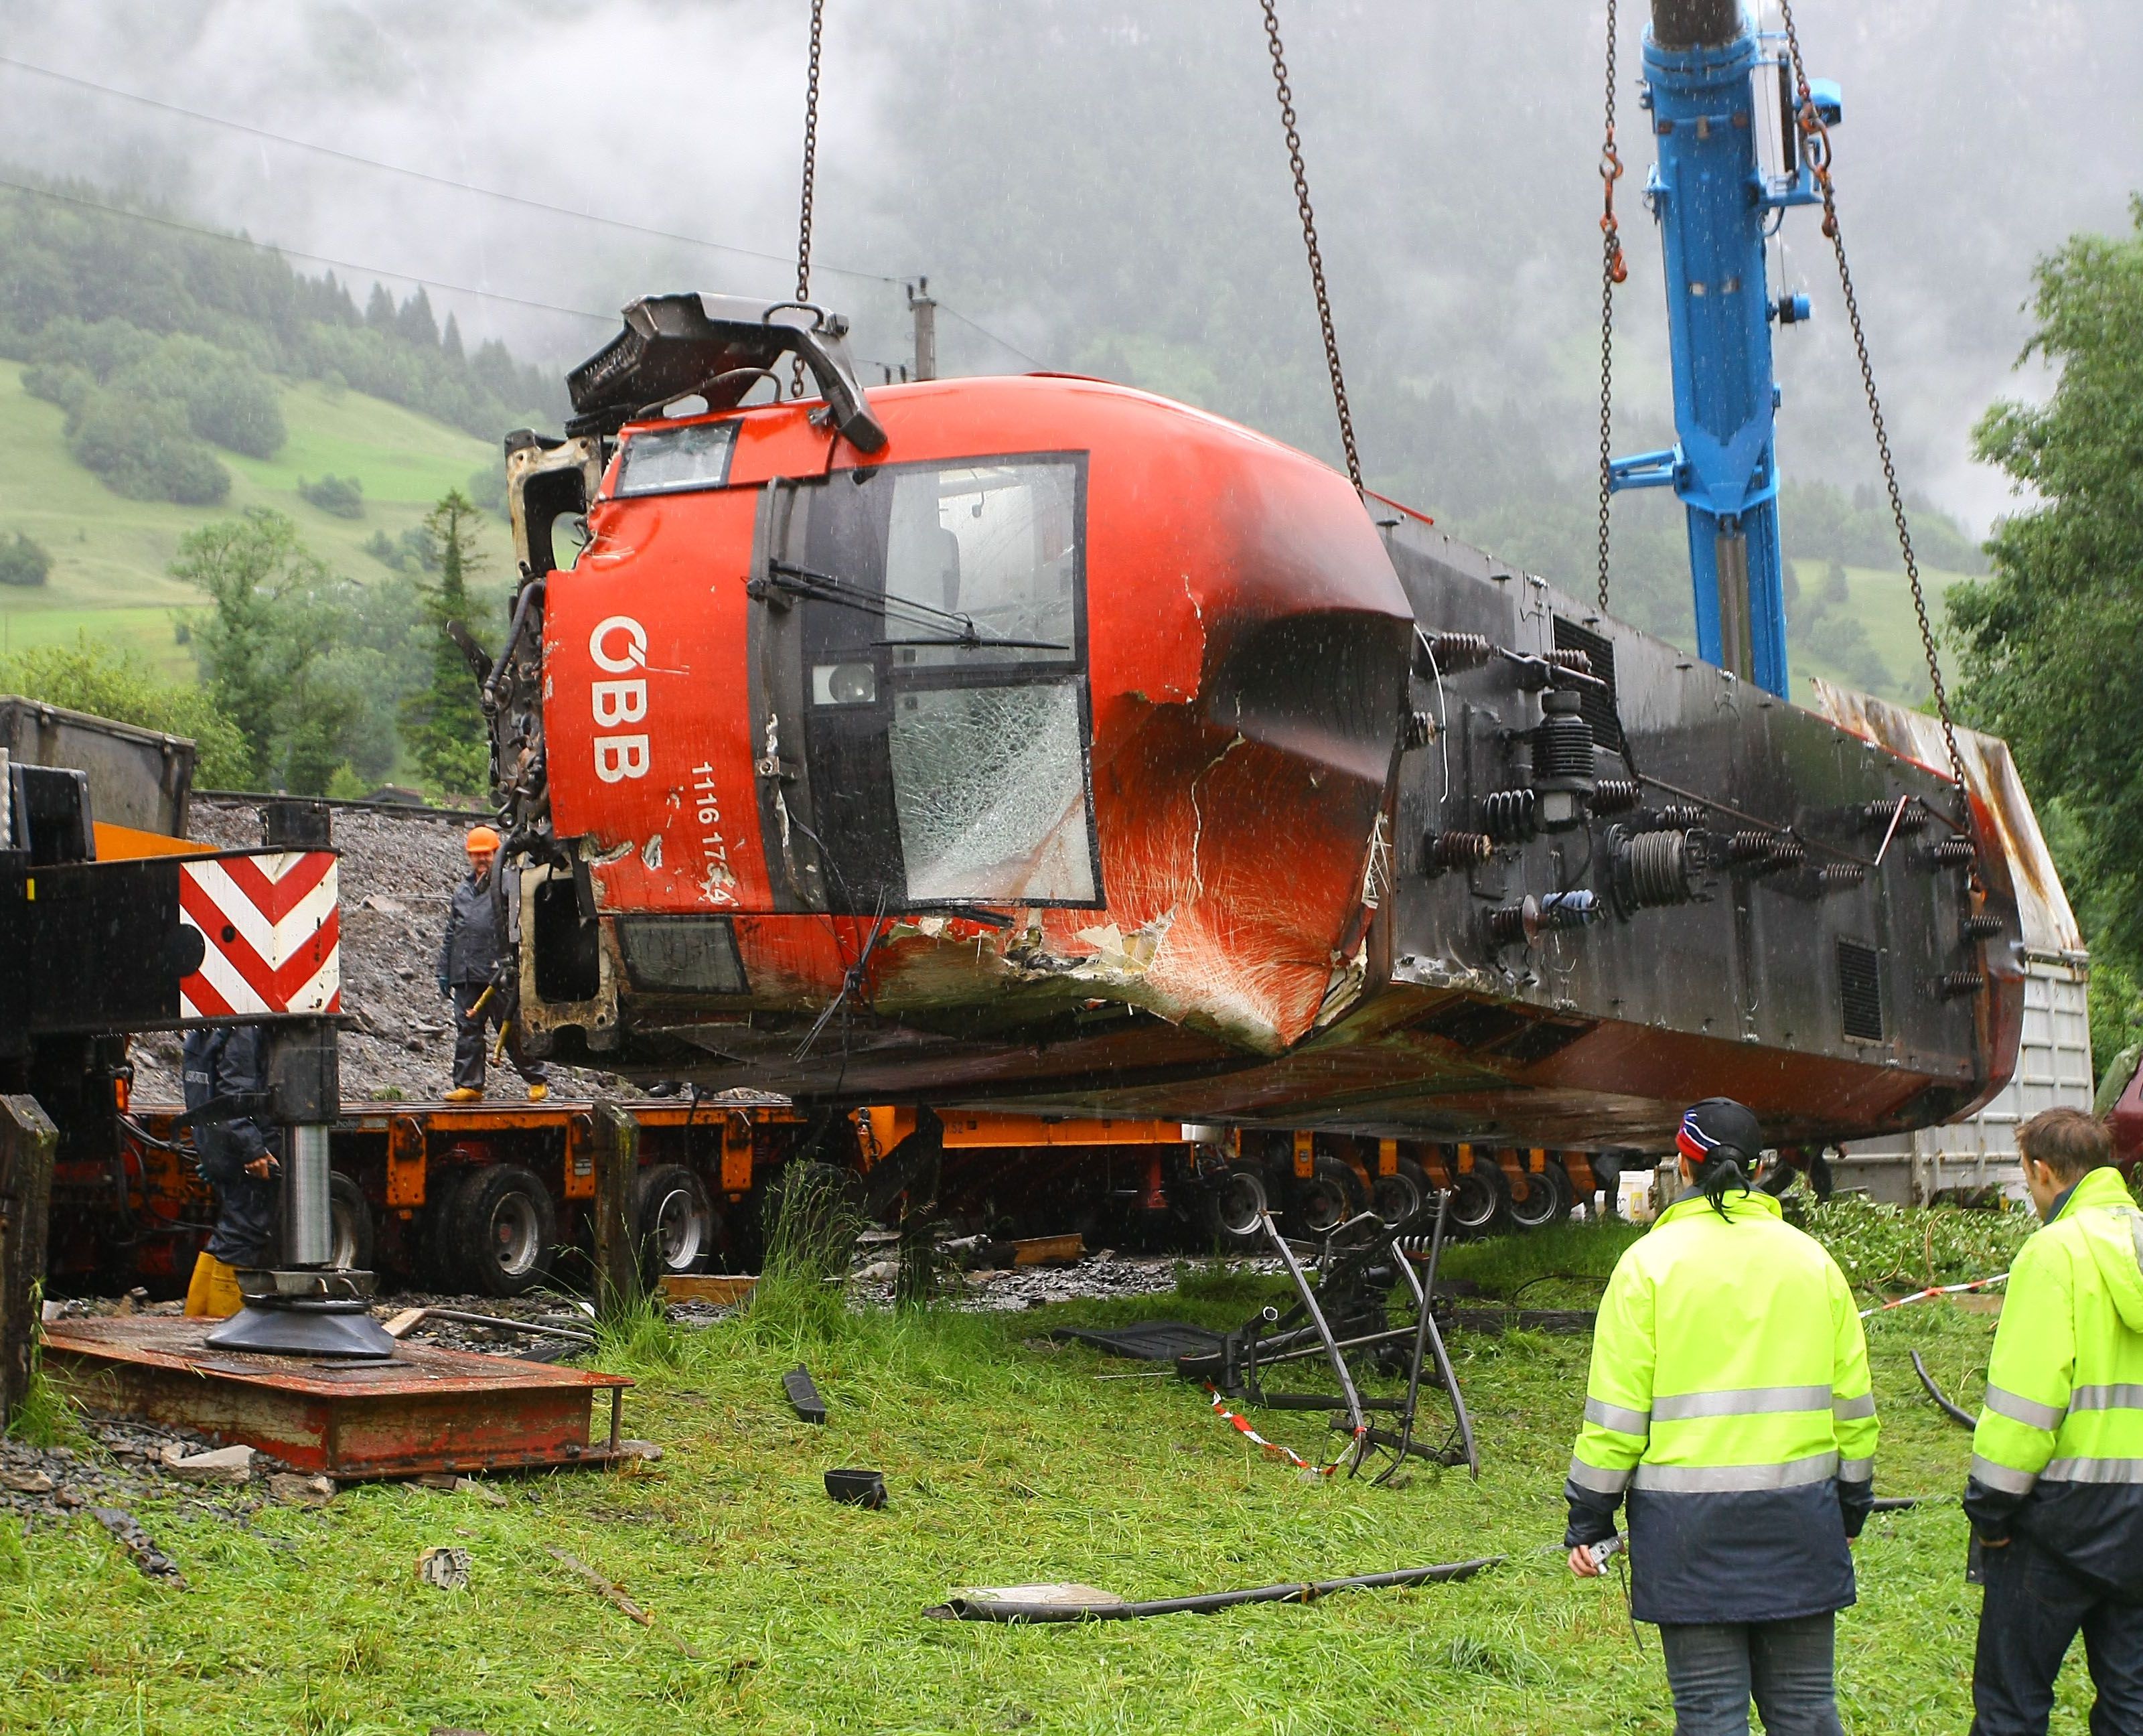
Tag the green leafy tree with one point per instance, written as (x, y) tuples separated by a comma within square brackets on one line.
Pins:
[(2048, 643), (442, 722), (93, 676), (24, 561)]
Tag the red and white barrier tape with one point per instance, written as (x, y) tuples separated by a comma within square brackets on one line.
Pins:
[(1255, 1439), (1976, 1283)]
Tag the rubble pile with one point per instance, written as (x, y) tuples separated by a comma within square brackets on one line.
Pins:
[(398, 869)]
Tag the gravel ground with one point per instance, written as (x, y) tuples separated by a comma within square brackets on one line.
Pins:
[(398, 872)]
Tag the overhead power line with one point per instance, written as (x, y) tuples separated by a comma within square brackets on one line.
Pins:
[(423, 175), (473, 188)]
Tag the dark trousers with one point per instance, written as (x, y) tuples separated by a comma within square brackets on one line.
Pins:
[(2036, 1605), (1715, 1669), (245, 1218), (469, 1039)]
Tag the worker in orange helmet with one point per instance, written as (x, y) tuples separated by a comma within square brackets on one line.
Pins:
[(474, 975)]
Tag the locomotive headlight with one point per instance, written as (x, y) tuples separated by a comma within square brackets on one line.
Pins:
[(843, 684)]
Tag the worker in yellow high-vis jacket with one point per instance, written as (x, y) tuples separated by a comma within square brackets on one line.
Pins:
[(2056, 1495), (1729, 1398)]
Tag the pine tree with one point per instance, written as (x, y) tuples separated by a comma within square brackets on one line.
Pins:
[(379, 311), (415, 322), (442, 722), (450, 341)]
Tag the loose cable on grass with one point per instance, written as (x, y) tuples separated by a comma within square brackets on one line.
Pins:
[(1956, 1413), (1087, 1603)]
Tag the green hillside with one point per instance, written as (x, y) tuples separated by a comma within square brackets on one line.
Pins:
[(1882, 602), (109, 553)]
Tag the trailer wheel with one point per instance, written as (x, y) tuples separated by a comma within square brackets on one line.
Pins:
[(351, 1231), (673, 1221), (1333, 1194), (437, 1268), (1548, 1198), (1397, 1196), (505, 1230), (1234, 1203), (1479, 1198)]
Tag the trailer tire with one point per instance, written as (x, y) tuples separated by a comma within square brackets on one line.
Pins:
[(1548, 1198), (1234, 1205), (1480, 1197), (504, 1231), (673, 1221), (1397, 1196), (436, 1269), (830, 1213), (351, 1231), (1331, 1194)]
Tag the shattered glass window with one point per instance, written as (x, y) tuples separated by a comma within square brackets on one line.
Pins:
[(662, 461), (998, 544), (990, 789)]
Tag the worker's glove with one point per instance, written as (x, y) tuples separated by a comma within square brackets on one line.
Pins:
[(446, 989)]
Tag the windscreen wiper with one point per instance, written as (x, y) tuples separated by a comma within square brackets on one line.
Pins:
[(953, 628)]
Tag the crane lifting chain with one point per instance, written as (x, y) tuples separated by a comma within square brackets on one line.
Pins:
[(1309, 241), (1815, 137), (810, 174), (1614, 269)]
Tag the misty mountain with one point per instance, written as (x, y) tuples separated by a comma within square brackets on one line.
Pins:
[(1103, 186)]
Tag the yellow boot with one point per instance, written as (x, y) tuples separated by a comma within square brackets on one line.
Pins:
[(212, 1292), (538, 1092), (464, 1094)]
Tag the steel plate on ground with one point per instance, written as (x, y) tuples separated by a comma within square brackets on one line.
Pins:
[(1150, 1341), (429, 1409)]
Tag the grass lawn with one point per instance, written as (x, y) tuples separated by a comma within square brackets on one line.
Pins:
[(110, 554), (1008, 1462), (1882, 600)]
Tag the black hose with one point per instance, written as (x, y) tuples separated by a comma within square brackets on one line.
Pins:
[(990, 1608), (535, 1328), (1956, 1413)]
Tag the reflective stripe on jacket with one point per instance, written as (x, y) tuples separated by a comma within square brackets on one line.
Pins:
[(2058, 1451), (1729, 1396)]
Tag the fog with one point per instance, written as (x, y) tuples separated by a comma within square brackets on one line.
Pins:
[(1103, 187)]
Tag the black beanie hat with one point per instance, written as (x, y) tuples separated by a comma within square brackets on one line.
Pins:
[(1716, 1127)]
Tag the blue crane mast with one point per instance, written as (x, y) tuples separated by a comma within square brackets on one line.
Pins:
[(1716, 207)]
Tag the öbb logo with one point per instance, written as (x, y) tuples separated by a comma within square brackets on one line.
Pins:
[(619, 646)]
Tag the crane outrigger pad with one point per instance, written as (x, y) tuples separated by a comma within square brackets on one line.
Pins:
[(427, 1409)]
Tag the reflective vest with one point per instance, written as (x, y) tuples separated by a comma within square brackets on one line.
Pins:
[(1730, 1397), (2063, 1399)]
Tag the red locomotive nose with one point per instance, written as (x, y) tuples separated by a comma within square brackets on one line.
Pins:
[(1068, 695)]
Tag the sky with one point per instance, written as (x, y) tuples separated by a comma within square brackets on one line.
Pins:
[(1100, 185)]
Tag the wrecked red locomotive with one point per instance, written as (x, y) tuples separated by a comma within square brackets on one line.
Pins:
[(1039, 742)]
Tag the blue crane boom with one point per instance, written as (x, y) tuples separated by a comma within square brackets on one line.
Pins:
[(1716, 206)]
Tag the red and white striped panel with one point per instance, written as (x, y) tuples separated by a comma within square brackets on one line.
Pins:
[(273, 934)]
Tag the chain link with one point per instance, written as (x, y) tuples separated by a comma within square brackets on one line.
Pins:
[(1309, 241), (1816, 148), (811, 174), (1614, 269)]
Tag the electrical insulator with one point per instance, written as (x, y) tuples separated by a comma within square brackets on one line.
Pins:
[(1524, 923), (1675, 817), (1616, 796), (1650, 870), (1571, 661), (1984, 927), (1450, 654), (1444, 850), (1876, 816), (1951, 852), (1509, 816), (1955, 984), (1562, 760), (1838, 876)]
